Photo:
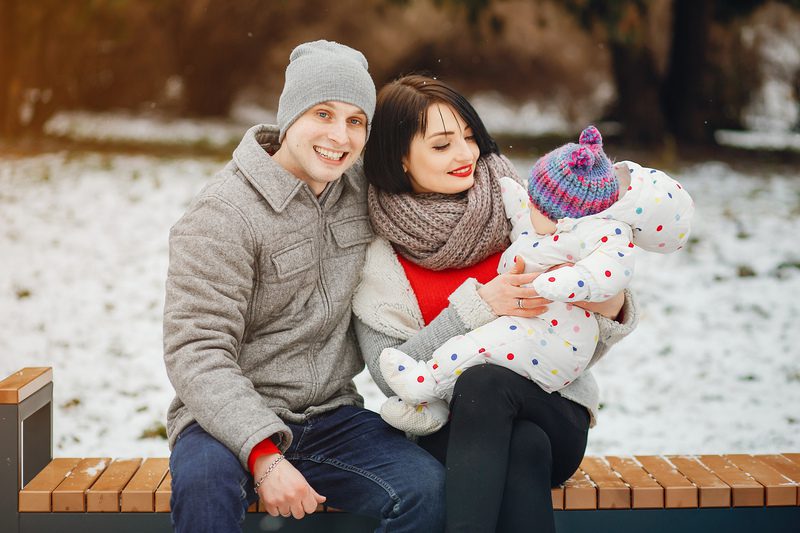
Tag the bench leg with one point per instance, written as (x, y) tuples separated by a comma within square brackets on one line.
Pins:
[(26, 447)]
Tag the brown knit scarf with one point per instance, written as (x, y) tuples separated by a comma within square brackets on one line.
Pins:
[(439, 231)]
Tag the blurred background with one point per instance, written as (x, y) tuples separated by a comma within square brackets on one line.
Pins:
[(664, 71), (114, 113)]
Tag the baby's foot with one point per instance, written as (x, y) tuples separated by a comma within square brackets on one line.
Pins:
[(409, 379), (423, 419)]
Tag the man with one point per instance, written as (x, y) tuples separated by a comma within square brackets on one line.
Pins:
[(257, 335)]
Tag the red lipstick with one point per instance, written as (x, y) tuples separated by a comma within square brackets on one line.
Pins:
[(462, 172)]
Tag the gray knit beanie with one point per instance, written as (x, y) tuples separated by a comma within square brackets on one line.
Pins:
[(324, 71)]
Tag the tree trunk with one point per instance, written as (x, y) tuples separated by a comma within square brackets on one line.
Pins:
[(214, 60), (40, 79), (209, 85), (638, 106), (687, 103), (8, 80)]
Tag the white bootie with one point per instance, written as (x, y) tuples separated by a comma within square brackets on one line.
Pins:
[(421, 420), (408, 378)]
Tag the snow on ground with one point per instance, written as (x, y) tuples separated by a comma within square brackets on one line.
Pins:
[(156, 128), (759, 140), (122, 126), (84, 258), (713, 367), (529, 118)]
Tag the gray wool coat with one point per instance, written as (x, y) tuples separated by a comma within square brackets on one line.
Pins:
[(257, 320)]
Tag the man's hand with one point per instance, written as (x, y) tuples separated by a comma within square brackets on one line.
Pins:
[(285, 492), (504, 293)]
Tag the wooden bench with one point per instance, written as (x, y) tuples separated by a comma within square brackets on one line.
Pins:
[(736, 492)]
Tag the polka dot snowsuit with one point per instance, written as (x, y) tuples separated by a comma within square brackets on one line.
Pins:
[(554, 348)]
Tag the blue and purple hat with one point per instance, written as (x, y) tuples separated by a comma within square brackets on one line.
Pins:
[(574, 180)]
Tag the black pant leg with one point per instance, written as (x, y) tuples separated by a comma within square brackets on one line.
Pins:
[(436, 444), (488, 403)]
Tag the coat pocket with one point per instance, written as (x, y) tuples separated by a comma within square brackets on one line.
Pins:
[(345, 260), (352, 231), (293, 259)]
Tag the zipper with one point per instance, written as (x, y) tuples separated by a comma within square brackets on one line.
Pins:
[(326, 304)]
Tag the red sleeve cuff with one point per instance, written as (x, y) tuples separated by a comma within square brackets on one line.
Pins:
[(265, 447)]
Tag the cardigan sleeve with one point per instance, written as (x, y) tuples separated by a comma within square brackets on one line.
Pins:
[(613, 331)]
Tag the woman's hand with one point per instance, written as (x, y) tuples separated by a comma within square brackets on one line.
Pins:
[(610, 309), (505, 295)]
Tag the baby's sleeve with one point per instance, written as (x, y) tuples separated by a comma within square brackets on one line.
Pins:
[(515, 203), (601, 274)]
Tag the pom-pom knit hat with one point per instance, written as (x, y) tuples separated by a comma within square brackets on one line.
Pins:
[(323, 71), (574, 180)]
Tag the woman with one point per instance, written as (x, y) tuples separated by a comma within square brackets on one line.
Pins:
[(431, 274)]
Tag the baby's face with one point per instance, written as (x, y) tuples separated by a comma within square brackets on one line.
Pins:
[(542, 224), (624, 177)]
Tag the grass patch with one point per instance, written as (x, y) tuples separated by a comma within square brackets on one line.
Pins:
[(156, 431)]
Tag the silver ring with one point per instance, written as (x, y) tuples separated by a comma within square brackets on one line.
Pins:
[(519, 303)]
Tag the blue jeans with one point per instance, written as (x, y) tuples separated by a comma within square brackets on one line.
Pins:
[(351, 456)]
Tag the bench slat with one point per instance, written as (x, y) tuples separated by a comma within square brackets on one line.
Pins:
[(783, 465), (779, 489), (612, 492), (139, 494), (23, 383), (786, 467), (746, 492), (613, 482), (679, 492), (70, 494), (163, 494), (794, 457), (557, 493), (35, 497), (712, 491), (646, 493), (580, 492), (104, 495)]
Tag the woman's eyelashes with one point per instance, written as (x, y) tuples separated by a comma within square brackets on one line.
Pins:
[(442, 147)]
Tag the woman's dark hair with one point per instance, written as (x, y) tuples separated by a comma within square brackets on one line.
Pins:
[(401, 112)]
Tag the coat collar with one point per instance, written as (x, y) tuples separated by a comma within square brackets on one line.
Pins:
[(276, 184)]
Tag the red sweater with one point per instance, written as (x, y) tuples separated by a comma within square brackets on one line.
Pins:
[(432, 288)]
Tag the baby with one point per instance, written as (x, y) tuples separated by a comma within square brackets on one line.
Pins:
[(580, 212)]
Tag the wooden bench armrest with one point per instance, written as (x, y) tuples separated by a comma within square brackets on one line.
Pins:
[(20, 385)]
